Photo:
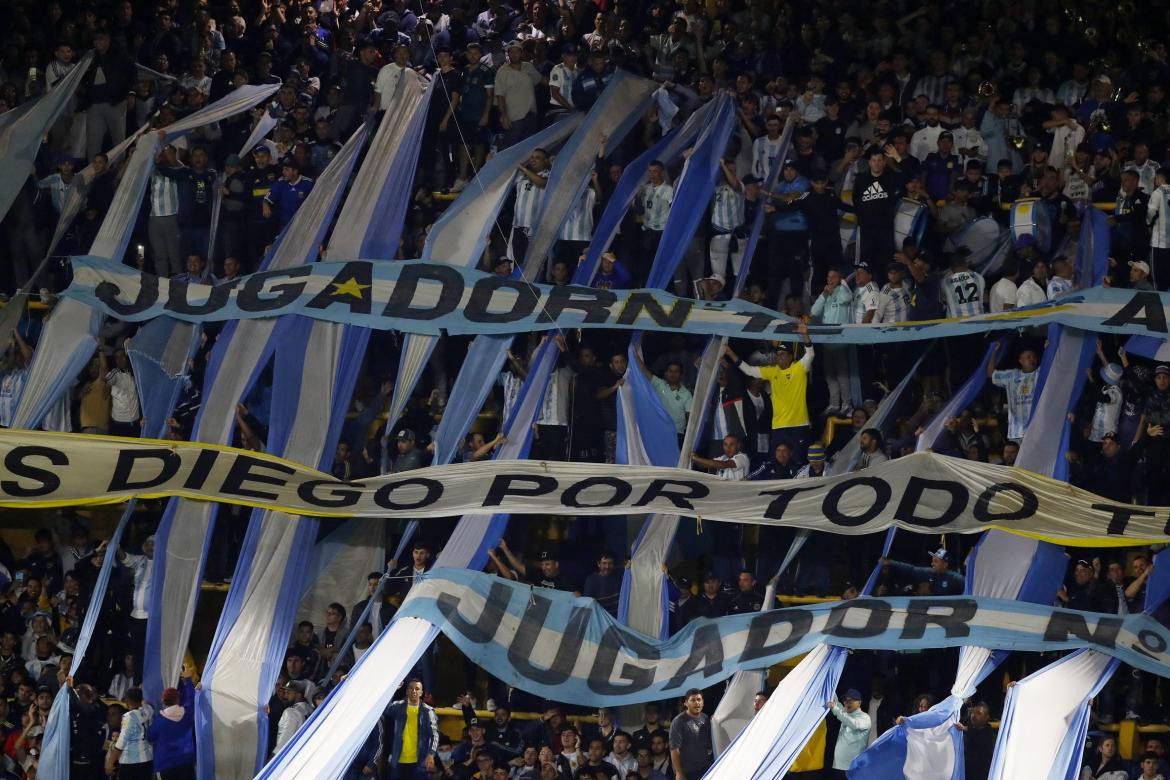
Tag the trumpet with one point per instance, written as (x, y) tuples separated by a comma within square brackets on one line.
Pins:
[(988, 89)]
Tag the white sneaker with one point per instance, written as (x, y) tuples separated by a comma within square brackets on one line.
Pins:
[(459, 185)]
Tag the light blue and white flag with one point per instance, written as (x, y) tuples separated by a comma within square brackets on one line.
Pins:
[(240, 352), (460, 236), (1046, 716), (21, 137), (336, 731), (316, 368), (613, 116), (67, 342), (643, 423)]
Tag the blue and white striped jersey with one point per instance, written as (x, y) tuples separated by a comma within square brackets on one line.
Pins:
[(656, 201), (1158, 217), (164, 196), (893, 304), (763, 150), (579, 224), (963, 291), (727, 208), (528, 198)]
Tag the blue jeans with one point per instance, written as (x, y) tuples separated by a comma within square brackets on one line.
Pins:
[(409, 772)]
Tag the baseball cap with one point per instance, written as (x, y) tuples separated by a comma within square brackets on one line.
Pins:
[(1163, 369), (790, 163), (231, 159), (1111, 374), (710, 576), (1103, 79), (939, 553), (300, 686), (1083, 562), (261, 149), (1140, 265), (861, 264), (406, 434), (548, 555), (751, 179), (852, 695), (474, 723), (290, 162), (816, 453)]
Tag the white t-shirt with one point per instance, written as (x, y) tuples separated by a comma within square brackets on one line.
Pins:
[(123, 396), (740, 472), (1030, 293), (1003, 294), (386, 83)]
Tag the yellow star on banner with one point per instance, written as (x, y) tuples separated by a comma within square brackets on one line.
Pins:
[(349, 287)]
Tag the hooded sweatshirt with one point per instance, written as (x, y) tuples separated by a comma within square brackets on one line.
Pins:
[(172, 732)]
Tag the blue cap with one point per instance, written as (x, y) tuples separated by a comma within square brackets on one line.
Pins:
[(852, 694)]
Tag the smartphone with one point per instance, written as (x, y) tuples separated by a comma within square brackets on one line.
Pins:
[(32, 72), (20, 577)]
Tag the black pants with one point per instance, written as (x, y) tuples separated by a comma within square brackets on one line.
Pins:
[(131, 429), (640, 265), (550, 442), (1160, 268), (788, 257), (186, 772), (519, 245), (143, 771), (136, 642), (876, 247)]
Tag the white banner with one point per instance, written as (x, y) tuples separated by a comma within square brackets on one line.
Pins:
[(923, 492)]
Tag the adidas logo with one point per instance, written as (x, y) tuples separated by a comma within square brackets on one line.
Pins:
[(874, 192)]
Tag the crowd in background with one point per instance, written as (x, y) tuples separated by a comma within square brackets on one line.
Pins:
[(954, 111)]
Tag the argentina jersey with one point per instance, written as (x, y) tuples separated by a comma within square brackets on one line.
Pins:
[(1159, 217), (726, 209), (528, 197), (656, 200), (964, 293), (894, 304), (579, 224)]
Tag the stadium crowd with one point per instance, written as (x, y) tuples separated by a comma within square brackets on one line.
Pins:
[(952, 111)]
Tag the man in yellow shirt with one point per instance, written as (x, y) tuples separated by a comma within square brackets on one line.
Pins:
[(416, 734), (789, 383)]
